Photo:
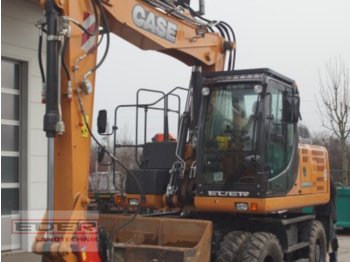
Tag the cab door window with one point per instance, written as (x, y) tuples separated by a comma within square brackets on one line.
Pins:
[(281, 138)]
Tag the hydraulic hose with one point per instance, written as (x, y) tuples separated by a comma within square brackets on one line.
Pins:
[(52, 61), (40, 58)]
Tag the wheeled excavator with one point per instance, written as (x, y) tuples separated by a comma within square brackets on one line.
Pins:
[(232, 185)]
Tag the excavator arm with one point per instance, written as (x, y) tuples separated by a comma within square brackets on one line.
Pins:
[(74, 29), (151, 28)]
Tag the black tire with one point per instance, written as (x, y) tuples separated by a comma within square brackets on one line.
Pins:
[(317, 243), (261, 247), (229, 246)]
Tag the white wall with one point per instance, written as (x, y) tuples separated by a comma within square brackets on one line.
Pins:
[(19, 40)]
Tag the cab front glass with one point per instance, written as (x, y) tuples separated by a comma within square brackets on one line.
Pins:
[(230, 149)]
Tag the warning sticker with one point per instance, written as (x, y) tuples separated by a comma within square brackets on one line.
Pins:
[(84, 130), (88, 41)]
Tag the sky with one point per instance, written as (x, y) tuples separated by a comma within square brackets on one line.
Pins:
[(295, 38)]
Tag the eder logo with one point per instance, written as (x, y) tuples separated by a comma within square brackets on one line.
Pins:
[(154, 24), (56, 226)]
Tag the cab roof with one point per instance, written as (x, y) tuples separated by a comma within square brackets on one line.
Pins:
[(255, 71)]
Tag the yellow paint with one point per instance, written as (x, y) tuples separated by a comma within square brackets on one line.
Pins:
[(84, 130), (83, 256)]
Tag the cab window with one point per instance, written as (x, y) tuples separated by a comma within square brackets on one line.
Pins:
[(281, 140)]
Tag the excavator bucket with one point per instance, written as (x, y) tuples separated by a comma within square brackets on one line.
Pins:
[(154, 239)]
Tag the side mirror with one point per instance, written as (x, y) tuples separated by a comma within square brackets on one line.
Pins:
[(102, 121), (291, 108)]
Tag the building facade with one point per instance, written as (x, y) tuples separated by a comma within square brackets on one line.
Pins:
[(23, 142)]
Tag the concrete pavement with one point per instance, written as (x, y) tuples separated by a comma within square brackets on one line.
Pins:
[(344, 247)]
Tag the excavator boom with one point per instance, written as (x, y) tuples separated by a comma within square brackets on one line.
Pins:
[(141, 24), (74, 31)]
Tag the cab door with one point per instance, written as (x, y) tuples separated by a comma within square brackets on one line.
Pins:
[(281, 141)]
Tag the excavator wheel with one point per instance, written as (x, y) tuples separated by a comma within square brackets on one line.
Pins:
[(317, 243), (229, 247), (261, 247)]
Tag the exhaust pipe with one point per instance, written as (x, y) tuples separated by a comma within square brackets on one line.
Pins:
[(201, 7)]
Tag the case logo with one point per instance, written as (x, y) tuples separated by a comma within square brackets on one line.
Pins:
[(154, 24)]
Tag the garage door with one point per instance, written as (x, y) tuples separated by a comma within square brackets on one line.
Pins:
[(10, 151)]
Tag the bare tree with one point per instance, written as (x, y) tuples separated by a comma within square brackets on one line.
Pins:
[(335, 105)]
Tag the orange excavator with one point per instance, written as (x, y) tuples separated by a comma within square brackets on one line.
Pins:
[(230, 188)]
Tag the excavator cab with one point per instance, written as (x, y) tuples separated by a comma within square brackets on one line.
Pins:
[(247, 134), (248, 177)]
